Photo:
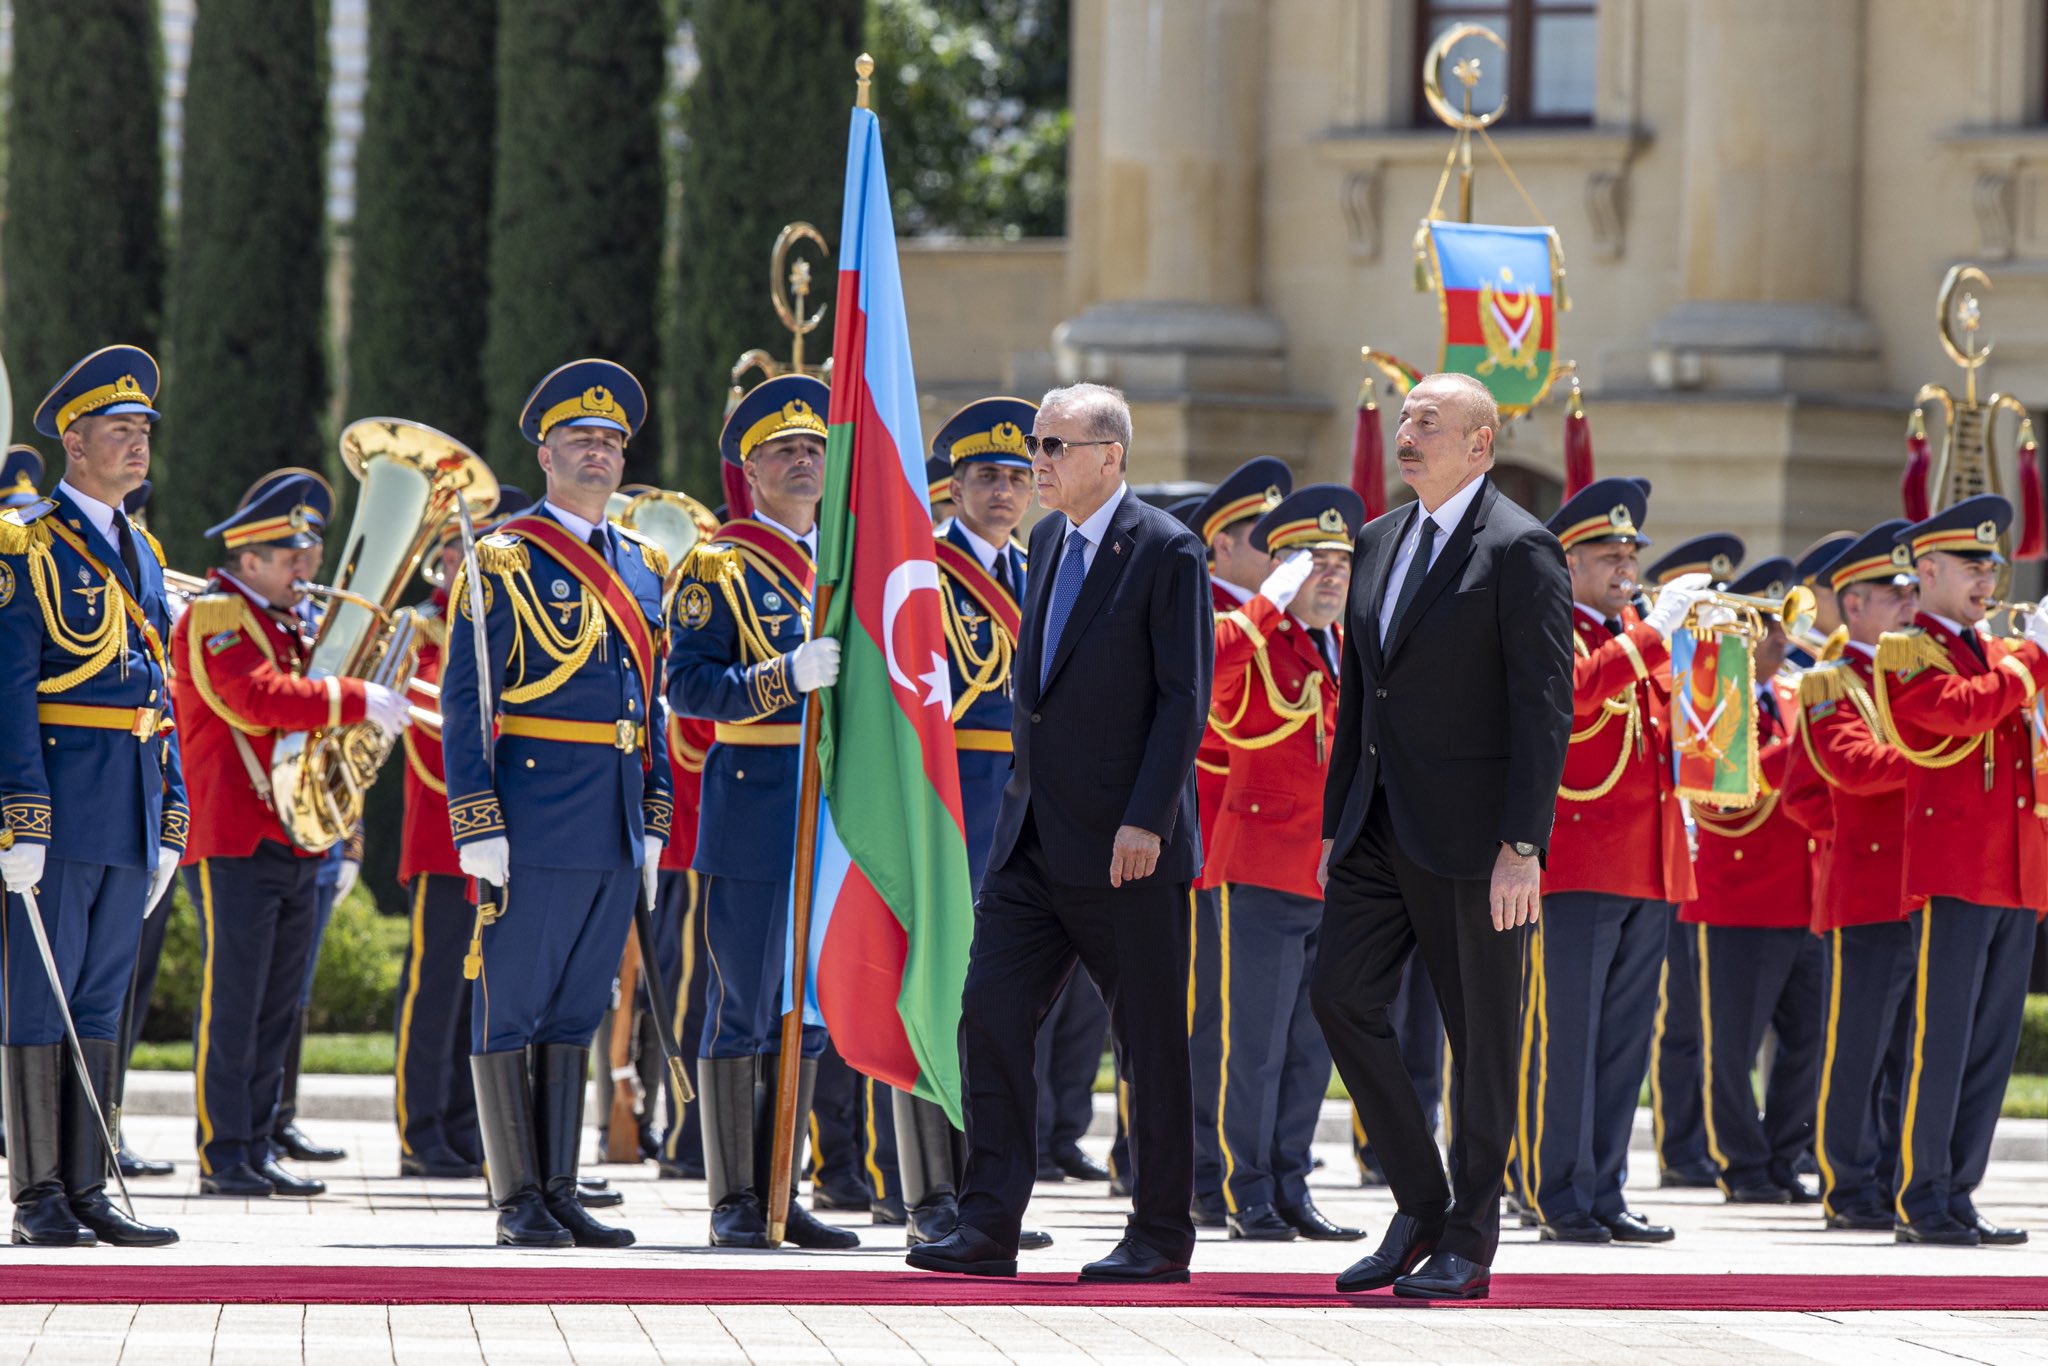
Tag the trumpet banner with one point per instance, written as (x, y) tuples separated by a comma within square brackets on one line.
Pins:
[(1713, 718), (1497, 288)]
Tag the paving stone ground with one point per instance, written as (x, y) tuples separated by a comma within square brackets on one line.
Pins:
[(371, 1218)]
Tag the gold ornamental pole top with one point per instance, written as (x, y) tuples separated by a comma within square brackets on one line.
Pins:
[(864, 70)]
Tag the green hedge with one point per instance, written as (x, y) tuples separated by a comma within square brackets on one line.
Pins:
[(2034, 1037), (354, 986)]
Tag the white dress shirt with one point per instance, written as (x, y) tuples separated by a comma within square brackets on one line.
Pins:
[(809, 540), (983, 550), (1243, 595), (99, 514), (580, 526), (1446, 518), (1092, 531)]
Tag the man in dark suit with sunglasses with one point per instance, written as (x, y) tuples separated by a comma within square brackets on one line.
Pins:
[(1095, 845)]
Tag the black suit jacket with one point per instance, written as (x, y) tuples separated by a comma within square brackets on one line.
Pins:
[(1465, 712), (1111, 738)]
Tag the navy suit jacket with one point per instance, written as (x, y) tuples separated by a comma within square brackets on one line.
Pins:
[(1110, 739)]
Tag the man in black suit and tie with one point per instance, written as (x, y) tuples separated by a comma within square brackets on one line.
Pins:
[(1454, 711), (1095, 844)]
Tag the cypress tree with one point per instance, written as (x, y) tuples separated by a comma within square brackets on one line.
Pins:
[(245, 370), (576, 210), (83, 243), (423, 196), (764, 143)]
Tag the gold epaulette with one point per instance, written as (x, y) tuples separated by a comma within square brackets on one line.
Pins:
[(709, 562), (502, 553), (432, 628), (650, 553), (21, 528), (216, 612), (155, 547), (1826, 683), (1837, 641), (1911, 651)]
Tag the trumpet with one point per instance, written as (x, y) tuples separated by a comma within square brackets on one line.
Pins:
[(1794, 612), (2016, 614)]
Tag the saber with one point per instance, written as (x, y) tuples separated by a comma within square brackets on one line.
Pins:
[(487, 896), (99, 1116), (658, 1004)]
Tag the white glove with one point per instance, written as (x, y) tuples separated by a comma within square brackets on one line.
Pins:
[(487, 860), (1713, 618), (160, 881), (21, 867), (345, 881), (1287, 577), (815, 664), (650, 866), (2037, 627), (1674, 600), (385, 709)]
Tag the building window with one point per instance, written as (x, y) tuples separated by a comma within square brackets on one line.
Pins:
[(1549, 68)]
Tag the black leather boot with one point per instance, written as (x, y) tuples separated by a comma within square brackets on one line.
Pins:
[(285, 1134), (35, 1091), (133, 1164), (504, 1111), (725, 1093), (560, 1070), (800, 1226), (924, 1159), (84, 1164)]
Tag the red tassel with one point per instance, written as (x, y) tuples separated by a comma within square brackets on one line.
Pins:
[(2033, 535), (1368, 455), (1578, 446), (739, 499), (1919, 464)]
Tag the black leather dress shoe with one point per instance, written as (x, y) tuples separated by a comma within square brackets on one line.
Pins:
[(888, 1212), (931, 1219), (1863, 1220), (1762, 1193), (567, 1210), (524, 1221), (1208, 1213), (1310, 1222), (807, 1230), (1446, 1276), (134, 1165), (1630, 1227), (48, 1222), (1403, 1247), (966, 1251), (300, 1148), (241, 1179), (594, 1192), (738, 1222), (1049, 1172), (283, 1182), (1033, 1240), (1576, 1227), (1260, 1224), (1691, 1176), (1136, 1262), (1940, 1231), (1078, 1165), (1990, 1234), (438, 1167), (1798, 1192), (851, 1199), (115, 1229)]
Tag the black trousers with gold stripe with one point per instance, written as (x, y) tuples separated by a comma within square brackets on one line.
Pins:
[(1869, 1014), (1751, 981), (1206, 951), (256, 919), (679, 939), (1968, 999), (436, 1103)]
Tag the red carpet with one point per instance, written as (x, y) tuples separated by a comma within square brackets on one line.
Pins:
[(654, 1285)]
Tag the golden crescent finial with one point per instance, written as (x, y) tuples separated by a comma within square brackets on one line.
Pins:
[(1466, 71), (1963, 352)]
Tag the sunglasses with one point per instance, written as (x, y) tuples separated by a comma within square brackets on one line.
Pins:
[(1051, 446)]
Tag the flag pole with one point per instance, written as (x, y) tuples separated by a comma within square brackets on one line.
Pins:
[(782, 1162)]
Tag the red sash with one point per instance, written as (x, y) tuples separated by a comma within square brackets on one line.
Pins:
[(601, 579), (775, 552), (981, 584)]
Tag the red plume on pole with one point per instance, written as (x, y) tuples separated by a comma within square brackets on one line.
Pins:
[(1368, 455), (1919, 463), (739, 499), (1578, 446), (2033, 543)]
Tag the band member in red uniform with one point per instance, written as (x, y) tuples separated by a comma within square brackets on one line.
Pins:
[(1862, 911), (1618, 861), (1955, 701), (1759, 964), (1224, 520), (679, 921), (1277, 661), (241, 659)]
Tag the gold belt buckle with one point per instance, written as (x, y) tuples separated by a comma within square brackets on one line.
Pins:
[(628, 737), (147, 721)]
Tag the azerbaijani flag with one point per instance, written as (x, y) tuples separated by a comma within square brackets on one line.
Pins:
[(1500, 319), (892, 912)]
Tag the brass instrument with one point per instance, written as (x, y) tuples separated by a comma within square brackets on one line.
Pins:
[(673, 521), (2016, 614), (1794, 612), (411, 477)]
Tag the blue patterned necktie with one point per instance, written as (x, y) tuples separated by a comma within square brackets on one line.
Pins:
[(1066, 591)]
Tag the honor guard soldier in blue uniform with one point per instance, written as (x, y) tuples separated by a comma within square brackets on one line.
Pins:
[(21, 471), (93, 815), (741, 656), (1677, 1117), (567, 812)]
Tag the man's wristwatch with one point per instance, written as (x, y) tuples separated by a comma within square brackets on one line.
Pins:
[(1523, 847)]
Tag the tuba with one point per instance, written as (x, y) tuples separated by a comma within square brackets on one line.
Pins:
[(673, 521), (411, 478)]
